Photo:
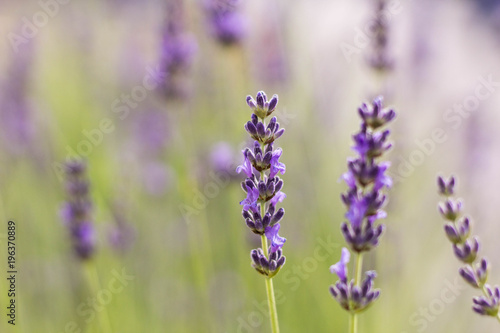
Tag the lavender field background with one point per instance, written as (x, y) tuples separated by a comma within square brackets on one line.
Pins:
[(172, 250)]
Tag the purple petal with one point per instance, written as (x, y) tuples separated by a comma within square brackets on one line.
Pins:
[(340, 268), (276, 240), (280, 196)]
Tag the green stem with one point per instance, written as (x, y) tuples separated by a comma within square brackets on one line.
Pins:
[(95, 287), (271, 301), (353, 323), (358, 269)]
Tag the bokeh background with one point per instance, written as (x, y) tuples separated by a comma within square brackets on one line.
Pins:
[(165, 195)]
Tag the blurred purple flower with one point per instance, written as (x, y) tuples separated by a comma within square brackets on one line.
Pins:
[(121, 235), (466, 248), (152, 130), (157, 178), (83, 235), (18, 128), (227, 24), (223, 158), (76, 211), (178, 48)]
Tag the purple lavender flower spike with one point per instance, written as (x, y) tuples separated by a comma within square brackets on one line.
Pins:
[(76, 211), (466, 248), (263, 185), (340, 268), (276, 240), (365, 178)]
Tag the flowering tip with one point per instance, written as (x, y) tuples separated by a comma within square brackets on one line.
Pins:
[(261, 107), (376, 116), (446, 187)]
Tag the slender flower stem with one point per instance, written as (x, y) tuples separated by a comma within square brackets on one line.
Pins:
[(357, 279), (263, 193), (273, 314), (95, 286), (271, 301), (353, 323), (358, 269)]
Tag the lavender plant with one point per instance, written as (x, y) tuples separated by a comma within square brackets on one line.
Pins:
[(177, 51), (226, 22), (76, 211), (466, 248), (379, 56), (263, 188), (77, 216), (365, 178)]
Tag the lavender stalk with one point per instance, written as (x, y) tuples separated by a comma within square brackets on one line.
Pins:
[(366, 178), (76, 213), (263, 188), (466, 248), (177, 51), (379, 58)]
